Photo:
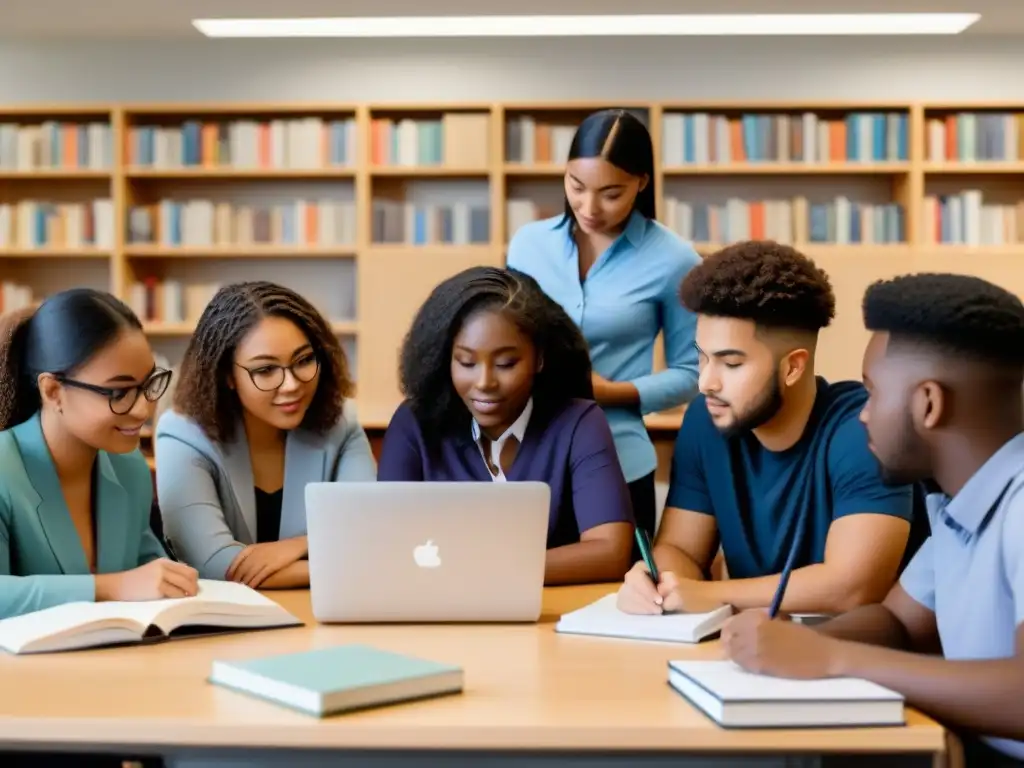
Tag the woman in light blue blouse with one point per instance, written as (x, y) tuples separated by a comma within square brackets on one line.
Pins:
[(617, 272)]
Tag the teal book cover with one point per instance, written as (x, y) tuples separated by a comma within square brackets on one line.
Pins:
[(339, 678)]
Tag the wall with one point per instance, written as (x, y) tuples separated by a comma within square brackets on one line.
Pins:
[(746, 68)]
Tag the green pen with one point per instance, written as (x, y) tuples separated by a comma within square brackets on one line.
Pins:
[(644, 542)]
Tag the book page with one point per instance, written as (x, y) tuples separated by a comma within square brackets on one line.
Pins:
[(222, 604), (62, 620), (231, 592), (166, 613)]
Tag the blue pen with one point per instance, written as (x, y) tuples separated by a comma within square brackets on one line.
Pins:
[(780, 591), (644, 542), (794, 549)]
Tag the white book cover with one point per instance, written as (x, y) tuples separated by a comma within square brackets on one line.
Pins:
[(672, 139), (734, 697)]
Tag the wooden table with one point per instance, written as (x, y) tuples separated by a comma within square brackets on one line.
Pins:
[(528, 692)]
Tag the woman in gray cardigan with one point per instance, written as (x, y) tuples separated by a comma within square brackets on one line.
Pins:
[(259, 411)]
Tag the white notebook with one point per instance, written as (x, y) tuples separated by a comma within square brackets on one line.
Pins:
[(604, 618), (219, 606), (735, 698)]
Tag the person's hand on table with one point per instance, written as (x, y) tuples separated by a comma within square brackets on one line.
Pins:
[(258, 562)]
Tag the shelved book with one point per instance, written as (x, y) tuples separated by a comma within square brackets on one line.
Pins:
[(966, 218), (41, 224), (702, 138), (342, 678), (841, 221), (220, 606), (975, 136), (15, 296), (209, 223), (299, 142), (735, 698), (461, 223), (603, 618), (53, 145), (456, 139)]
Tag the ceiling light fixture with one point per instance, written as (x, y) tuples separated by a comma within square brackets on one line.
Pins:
[(596, 26)]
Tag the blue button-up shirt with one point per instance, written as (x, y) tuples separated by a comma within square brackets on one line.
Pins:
[(630, 295), (970, 571)]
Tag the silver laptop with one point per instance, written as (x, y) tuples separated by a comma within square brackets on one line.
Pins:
[(427, 552)]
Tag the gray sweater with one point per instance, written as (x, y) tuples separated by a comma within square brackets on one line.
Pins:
[(206, 492)]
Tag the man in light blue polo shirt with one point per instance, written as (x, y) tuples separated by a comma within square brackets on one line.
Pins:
[(944, 371)]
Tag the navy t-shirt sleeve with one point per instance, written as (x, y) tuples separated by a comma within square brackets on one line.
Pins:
[(599, 491), (400, 458), (856, 478), (688, 487)]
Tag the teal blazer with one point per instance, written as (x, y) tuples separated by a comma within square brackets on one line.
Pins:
[(42, 562)]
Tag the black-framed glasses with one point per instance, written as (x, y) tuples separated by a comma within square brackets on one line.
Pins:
[(267, 378), (123, 399)]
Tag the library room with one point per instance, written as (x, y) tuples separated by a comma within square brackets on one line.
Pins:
[(188, 188)]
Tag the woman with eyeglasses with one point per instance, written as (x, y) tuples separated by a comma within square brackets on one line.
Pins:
[(259, 410), (77, 382)]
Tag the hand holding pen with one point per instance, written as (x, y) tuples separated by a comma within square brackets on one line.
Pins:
[(648, 591)]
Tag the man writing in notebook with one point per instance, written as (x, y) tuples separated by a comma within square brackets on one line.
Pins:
[(766, 444), (944, 369)]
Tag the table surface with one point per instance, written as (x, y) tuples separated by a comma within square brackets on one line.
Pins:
[(526, 688)]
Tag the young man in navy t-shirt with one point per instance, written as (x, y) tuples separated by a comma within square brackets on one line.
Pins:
[(766, 444)]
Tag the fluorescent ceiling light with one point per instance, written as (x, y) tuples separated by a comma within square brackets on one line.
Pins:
[(596, 26)]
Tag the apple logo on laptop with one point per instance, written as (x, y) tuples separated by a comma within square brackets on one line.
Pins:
[(426, 556)]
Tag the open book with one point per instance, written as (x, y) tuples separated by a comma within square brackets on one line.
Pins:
[(735, 698), (603, 617), (219, 606)]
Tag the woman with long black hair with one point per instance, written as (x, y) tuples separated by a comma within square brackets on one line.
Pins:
[(616, 271)]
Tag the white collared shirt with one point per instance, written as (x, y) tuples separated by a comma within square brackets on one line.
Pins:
[(517, 430)]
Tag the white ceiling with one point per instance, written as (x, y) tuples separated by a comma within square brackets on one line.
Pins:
[(24, 20)]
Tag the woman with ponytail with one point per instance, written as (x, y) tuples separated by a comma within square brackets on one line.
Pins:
[(77, 383), (616, 272)]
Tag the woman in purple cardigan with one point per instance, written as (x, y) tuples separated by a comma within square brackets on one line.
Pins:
[(498, 388)]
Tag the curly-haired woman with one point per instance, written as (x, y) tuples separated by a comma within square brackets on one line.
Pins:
[(259, 411), (498, 385)]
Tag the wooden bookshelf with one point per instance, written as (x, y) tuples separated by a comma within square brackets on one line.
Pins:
[(366, 207)]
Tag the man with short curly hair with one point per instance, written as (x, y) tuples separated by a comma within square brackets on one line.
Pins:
[(771, 460)]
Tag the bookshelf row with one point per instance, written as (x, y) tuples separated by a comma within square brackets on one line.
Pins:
[(298, 143), (171, 306), (841, 221), (365, 208), (700, 138), (86, 145), (191, 228), (148, 139), (208, 223)]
